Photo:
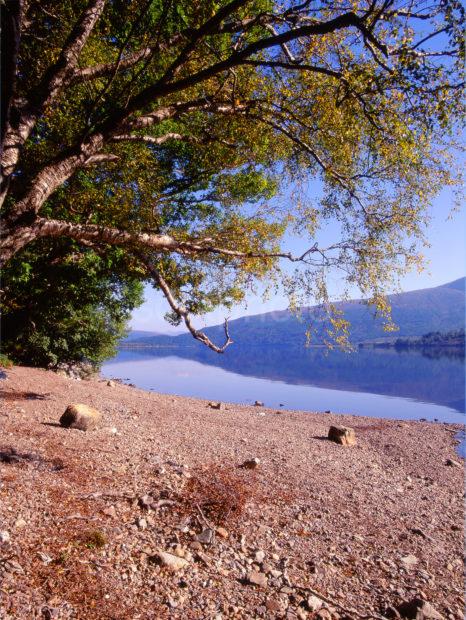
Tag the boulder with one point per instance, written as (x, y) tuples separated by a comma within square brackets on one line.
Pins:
[(81, 417), (343, 435)]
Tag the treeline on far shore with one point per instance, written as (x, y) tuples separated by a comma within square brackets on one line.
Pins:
[(455, 338)]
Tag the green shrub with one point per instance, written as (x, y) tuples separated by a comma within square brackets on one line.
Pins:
[(64, 304)]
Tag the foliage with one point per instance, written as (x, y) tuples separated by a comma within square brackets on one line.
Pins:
[(5, 361), (63, 305), (172, 130)]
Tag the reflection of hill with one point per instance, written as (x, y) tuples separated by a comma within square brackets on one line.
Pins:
[(408, 374)]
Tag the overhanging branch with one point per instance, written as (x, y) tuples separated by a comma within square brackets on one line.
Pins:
[(181, 311)]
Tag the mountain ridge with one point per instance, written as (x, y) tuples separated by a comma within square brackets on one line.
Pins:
[(440, 308)]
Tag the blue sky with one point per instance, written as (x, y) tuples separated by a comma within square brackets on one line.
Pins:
[(446, 261)]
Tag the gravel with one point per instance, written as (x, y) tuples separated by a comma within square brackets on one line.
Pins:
[(361, 528)]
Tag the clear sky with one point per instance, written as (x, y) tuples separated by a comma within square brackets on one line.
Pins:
[(446, 261)]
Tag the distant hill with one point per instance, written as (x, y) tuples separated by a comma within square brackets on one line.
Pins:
[(137, 334), (439, 309)]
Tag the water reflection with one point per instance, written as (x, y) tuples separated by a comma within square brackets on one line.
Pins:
[(431, 376)]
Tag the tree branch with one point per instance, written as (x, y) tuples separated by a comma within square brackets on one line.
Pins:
[(99, 158), (57, 172), (162, 243), (46, 91), (148, 139), (10, 28), (182, 312), (87, 74)]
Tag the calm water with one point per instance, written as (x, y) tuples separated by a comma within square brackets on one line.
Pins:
[(379, 383)]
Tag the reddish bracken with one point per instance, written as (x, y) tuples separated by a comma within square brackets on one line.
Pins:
[(218, 492)]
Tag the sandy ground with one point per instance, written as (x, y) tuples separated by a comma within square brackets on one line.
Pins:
[(315, 530)]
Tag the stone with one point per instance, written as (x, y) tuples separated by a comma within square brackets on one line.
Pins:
[(171, 561), (4, 536), (452, 463), (111, 383), (343, 435), (274, 605), (324, 614), (251, 463), (81, 417), (203, 557), (20, 523), (206, 536), (46, 559), (141, 523), (409, 561), (258, 579), (146, 501), (258, 403), (418, 609), (260, 556), (222, 532), (217, 405), (314, 603), (109, 511)]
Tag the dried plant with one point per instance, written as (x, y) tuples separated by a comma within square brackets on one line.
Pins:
[(218, 493)]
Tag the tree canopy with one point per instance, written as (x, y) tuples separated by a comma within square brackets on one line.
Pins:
[(166, 128)]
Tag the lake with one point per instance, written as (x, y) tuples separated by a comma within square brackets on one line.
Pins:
[(385, 383)]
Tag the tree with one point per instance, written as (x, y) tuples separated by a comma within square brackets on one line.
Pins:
[(164, 128), (66, 306)]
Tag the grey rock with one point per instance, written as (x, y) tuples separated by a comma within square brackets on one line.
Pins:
[(206, 536)]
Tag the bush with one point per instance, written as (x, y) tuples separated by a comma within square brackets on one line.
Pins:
[(63, 304)]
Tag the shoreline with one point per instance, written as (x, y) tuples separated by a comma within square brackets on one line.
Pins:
[(366, 527)]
